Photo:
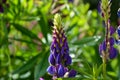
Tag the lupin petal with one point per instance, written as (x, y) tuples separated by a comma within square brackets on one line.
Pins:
[(118, 31), (58, 59), (72, 73), (117, 42), (113, 53), (111, 40), (61, 71), (65, 69), (67, 59), (53, 44), (51, 59), (51, 70), (54, 52), (112, 30), (62, 51), (102, 47), (118, 13), (66, 45)]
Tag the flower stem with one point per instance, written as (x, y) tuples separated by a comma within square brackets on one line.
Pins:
[(105, 7), (104, 67)]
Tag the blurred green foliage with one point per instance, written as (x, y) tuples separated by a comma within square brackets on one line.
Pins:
[(26, 34)]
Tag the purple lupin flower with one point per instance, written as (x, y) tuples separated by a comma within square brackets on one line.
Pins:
[(99, 9), (112, 30), (106, 48), (59, 57), (112, 51)]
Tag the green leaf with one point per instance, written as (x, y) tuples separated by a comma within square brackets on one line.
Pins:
[(99, 69), (95, 71), (21, 40), (84, 73), (43, 25), (88, 41), (28, 65), (25, 31), (40, 69), (71, 27), (29, 18)]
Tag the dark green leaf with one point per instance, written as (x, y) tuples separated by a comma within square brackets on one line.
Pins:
[(25, 31), (40, 69), (99, 69), (88, 41), (28, 65), (84, 73), (21, 40), (43, 24), (71, 27)]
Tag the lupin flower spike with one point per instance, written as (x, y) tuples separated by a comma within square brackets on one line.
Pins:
[(59, 57), (105, 8), (107, 50)]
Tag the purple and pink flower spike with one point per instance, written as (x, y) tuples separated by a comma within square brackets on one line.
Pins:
[(59, 57)]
